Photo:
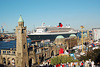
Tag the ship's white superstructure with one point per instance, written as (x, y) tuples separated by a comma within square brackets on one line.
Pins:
[(46, 31)]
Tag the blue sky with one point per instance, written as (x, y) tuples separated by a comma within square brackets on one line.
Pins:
[(50, 12)]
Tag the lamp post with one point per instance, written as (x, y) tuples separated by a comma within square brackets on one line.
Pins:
[(82, 37), (43, 51)]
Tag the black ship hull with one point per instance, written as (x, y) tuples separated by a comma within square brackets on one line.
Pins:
[(51, 37)]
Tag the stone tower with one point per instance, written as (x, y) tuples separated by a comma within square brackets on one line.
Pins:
[(21, 45)]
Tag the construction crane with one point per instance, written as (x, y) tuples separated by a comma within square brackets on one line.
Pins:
[(2, 28)]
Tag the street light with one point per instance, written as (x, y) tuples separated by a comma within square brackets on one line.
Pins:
[(82, 37), (43, 50)]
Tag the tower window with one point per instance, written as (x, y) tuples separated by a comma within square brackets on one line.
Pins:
[(25, 65), (20, 24), (24, 46), (22, 31)]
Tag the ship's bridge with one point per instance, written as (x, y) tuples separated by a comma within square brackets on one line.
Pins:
[(41, 30)]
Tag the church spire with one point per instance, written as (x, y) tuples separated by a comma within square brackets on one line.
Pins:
[(21, 22), (20, 19)]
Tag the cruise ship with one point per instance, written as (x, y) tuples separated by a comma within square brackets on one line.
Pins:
[(48, 32)]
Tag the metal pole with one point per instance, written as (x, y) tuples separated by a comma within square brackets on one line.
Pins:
[(38, 63), (43, 51), (82, 40)]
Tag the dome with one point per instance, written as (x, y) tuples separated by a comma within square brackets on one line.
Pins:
[(72, 35), (20, 19), (60, 36), (85, 35)]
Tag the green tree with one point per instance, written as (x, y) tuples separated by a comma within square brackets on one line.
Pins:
[(70, 59), (54, 61), (62, 59), (59, 59), (94, 55)]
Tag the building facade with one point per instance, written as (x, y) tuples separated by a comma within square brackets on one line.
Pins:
[(96, 33)]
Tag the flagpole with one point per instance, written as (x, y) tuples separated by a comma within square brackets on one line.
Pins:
[(82, 37)]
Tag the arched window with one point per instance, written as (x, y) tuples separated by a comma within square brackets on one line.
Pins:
[(22, 31), (30, 62), (24, 46), (8, 61), (4, 61), (52, 53), (13, 61)]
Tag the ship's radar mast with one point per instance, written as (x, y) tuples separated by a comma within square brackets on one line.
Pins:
[(43, 24)]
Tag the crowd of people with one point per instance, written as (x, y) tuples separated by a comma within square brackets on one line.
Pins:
[(87, 63), (77, 64)]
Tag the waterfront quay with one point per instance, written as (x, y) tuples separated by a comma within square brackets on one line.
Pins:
[(65, 52)]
